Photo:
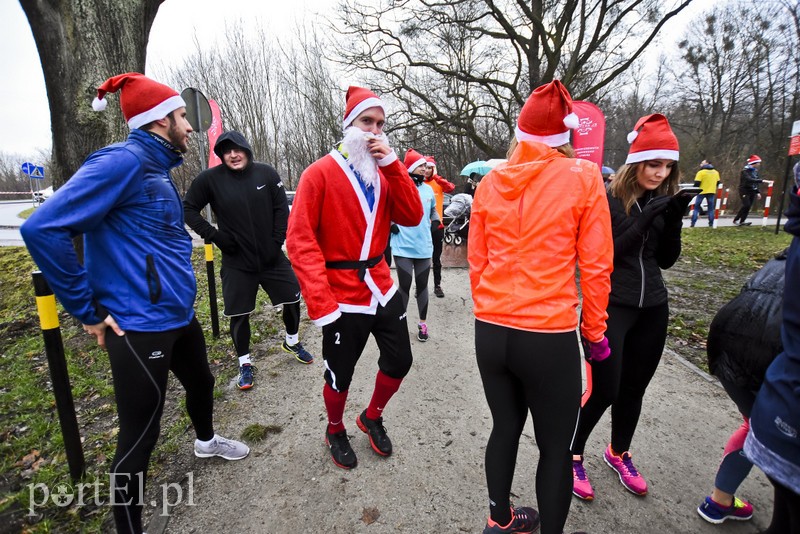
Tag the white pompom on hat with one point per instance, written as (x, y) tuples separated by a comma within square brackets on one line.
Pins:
[(652, 138), (357, 100), (413, 160), (547, 116), (142, 99), (754, 159)]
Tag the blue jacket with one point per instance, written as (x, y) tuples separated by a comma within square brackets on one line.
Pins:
[(416, 241), (773, 443), (137, 253)]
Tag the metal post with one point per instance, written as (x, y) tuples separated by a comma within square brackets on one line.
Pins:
[(212, 287), (57, 362), (786, 175)]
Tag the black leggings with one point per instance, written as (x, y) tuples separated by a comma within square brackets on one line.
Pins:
[(140, 365), (785, 511), (240, 327), (636, 337), (420, 269), (541, 373), (438, 241)]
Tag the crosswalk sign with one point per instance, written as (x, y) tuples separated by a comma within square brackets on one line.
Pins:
[(38, 172)]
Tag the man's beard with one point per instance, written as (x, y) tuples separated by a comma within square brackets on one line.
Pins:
[(355, 146), (176, 137)]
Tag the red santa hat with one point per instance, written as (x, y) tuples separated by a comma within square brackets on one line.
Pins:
[(431, 161), (755, 158), (142, 100), (652, 138), (413, 160), (547, 116), (359, 99)]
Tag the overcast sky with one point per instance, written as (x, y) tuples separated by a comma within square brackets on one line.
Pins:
[(24, 115)]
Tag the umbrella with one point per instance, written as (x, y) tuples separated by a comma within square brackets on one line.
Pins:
[(492, 163), (606, 170), (479, 167)]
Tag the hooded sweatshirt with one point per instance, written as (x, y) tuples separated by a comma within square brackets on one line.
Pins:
[(250, 206), (534, 219)]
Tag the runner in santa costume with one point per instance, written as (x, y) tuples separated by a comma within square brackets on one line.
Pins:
[(338, 231)]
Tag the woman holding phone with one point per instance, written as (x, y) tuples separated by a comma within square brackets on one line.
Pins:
[(646, 218)]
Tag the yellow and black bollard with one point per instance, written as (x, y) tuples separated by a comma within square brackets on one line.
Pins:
[(57, 362), (212, 287)]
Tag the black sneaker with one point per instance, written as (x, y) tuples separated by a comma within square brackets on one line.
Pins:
[(299, 352), (438, 292), (523, 519), (342, 453), (374, 428)]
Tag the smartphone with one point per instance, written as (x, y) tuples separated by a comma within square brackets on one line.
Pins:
[(689, 191)]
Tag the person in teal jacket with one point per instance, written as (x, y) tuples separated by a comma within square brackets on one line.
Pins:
[(135, 291), (412, 246)]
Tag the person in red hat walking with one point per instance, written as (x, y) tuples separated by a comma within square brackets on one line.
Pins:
[(748, 188), (338, 232), (534, 220), (440, 186), (136, 290), (646, 217)]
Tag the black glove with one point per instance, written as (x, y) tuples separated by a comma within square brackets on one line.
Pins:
[(225, 241), (435, 224), (652, 210), (394, 229), (677, 206)]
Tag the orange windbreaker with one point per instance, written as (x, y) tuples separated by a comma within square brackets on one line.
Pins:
[(440, 186), (533, 219)]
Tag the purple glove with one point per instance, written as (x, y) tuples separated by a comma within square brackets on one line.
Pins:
[(595, 351)]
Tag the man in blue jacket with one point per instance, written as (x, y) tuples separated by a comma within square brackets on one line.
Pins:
[(136, 289)]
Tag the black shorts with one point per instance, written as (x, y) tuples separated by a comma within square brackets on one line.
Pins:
[(239, 288), (344, 340)]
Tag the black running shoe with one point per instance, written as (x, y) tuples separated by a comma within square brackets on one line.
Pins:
[(523, 519), (374, 428), (341, 451)]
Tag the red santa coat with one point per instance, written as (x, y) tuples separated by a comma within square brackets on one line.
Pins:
[(331, 221)]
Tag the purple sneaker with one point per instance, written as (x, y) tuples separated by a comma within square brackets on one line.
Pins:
[(581, 487), (714, 512)]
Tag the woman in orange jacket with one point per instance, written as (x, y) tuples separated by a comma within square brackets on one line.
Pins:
[(533, 220)]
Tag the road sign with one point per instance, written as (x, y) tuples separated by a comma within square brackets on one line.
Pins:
[(33, 171), (198, 110)]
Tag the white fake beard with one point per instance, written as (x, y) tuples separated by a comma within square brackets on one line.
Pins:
[(358, 155)]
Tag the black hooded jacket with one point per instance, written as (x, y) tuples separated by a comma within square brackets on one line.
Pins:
[(250, 207), (745, 335), (640, 254)]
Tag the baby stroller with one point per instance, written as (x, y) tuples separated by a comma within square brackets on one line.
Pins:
[(455, 232)]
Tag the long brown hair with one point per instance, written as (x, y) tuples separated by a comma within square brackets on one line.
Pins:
[(626, 187), (565, 149)]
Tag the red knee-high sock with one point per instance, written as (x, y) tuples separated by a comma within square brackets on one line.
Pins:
[(385, 388), (334, 404)]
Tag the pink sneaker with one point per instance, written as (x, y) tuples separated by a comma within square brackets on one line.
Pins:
[(581, 487), (628, 475)]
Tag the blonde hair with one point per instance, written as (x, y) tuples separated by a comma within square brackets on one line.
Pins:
[(626, 188), (565, 149)]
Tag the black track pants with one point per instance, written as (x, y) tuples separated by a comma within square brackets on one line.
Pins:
[(541, 373)]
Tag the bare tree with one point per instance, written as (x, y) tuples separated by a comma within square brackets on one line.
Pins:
[(80, 44), (464, 67), (282, 97)]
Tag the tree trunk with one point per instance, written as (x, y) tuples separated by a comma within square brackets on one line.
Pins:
[(80, 44)]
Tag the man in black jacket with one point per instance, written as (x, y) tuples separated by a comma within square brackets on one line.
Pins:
[(748, 188), (252, 213)]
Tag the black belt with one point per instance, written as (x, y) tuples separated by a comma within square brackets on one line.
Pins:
[(362, 266)]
